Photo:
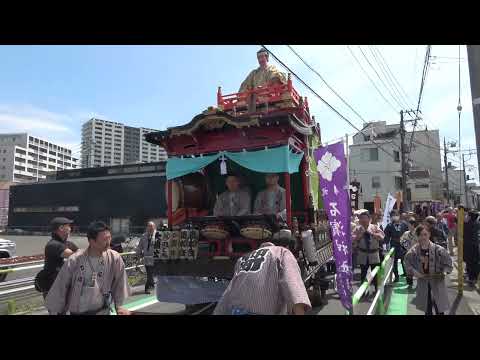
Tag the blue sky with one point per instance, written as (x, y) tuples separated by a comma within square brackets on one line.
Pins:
[(51, 90)]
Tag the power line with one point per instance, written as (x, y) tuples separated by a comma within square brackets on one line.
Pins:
[(380, 78), (371, 81), (323, 100), (325, 82), (420, 94), (391, 73), (388, 77)]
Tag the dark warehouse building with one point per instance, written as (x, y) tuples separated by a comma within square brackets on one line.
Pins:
[(124, 196)]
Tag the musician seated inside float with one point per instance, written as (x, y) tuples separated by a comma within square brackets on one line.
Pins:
[(272, 200), (235, 201)]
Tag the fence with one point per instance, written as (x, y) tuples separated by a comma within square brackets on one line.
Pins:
[(384, 274)]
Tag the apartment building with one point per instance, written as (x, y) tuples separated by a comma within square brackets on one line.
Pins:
[(26, 158), (108, 143)]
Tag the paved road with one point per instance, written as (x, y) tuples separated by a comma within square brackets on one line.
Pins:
[(34, 245)]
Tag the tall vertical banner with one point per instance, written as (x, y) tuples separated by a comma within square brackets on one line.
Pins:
[(354, 192), (389, 204), (332, 168)]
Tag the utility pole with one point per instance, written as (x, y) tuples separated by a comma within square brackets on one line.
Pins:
[(446, 168), (404, 165), (473, 52)]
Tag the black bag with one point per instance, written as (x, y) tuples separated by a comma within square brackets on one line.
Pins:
[(44, 280)]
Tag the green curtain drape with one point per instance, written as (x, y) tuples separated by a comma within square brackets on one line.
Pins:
[(270, 160)]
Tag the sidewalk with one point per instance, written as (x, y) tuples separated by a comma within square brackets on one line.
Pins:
[(402, 299)]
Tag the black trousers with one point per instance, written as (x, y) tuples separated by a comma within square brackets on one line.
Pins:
[(363, 274), (397, 256), (150, 282), (431, 304), (473, 270)]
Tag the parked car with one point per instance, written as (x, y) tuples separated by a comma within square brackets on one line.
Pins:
[(8, 249)]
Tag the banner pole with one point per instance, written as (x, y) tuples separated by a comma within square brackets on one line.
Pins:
[(348, 164)]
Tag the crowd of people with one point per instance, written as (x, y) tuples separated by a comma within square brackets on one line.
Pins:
[(424, 247), (93, 281)]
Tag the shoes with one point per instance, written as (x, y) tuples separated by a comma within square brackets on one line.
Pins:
[(396, 279), (404, 275)]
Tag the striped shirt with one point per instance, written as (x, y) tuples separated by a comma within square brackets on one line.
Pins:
[(267, 281)]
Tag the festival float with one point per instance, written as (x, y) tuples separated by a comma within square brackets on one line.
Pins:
[(266, 129)]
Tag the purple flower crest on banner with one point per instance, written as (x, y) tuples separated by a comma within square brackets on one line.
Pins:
[(332, 169)]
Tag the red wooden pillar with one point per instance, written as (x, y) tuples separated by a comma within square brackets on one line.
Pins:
[(169, 203), (305, 186), (288, 199)]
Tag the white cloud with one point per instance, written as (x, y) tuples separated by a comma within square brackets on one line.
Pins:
[(60, 128), (30, 118)]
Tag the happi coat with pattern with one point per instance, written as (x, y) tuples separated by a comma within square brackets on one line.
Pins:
[(65, 294), (266, 281), (439, 262)]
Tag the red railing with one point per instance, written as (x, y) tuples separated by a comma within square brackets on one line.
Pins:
[(266, 95)]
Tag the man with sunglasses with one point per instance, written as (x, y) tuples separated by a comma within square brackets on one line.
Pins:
[(57, 250)]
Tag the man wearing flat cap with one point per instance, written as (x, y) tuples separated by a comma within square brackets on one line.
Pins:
[(57, 249)]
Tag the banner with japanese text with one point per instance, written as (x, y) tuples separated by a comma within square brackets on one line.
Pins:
[(389, 204), (332, 168)]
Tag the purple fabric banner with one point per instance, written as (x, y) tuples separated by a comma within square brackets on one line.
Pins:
[(332, 170)]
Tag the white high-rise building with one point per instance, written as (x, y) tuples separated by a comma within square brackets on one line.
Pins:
[(106, 143), (24, 157)]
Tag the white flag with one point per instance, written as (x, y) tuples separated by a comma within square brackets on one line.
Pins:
[(389, 204)]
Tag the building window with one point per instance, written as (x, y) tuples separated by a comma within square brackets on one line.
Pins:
[(396, 155), (376, 182), (398, 182), (421, 186), (370, 154)]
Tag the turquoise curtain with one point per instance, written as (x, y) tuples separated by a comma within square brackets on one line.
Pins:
[(276, 160), (177, 167)]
